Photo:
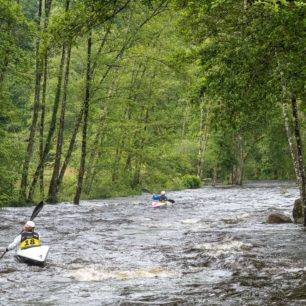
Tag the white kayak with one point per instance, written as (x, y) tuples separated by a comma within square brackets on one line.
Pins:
[(161, 204), (33, 256)]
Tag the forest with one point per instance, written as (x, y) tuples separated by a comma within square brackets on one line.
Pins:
[(104, 98)]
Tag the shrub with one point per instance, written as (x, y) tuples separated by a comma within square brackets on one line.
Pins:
[(191, 181)]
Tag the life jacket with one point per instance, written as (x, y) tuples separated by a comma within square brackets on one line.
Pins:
[(156, 198), (163, 198), (29, 240)]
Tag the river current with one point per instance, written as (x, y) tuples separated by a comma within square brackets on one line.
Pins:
[(213, 247)]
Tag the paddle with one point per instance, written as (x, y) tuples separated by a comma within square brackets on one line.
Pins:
[(171, 201), (35, 212), (3, 254), (148, 191)]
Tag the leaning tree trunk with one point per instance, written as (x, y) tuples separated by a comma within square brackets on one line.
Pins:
[(29, 153), (68, 155), (85, 124)]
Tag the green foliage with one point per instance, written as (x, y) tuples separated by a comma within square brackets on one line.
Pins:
[(191, 181), (9, 169), (165, 75), (16, 37)]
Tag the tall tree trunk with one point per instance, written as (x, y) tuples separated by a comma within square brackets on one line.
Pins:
[(42, 124), (52, 126), (292, 147), (139, 137), (299, 147), (121, 144), (296, 150), (95, 152), (48, 4), (139, 161), (203, 139), (185, 118), (242, 159), (29, 152), (52, 195), (85, 124), (93, 175), (244, 153), (138, 73)]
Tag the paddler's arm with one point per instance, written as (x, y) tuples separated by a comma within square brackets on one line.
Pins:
[(14, 244)]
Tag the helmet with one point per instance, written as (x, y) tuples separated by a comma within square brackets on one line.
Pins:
[(30, 224), (163, 192)]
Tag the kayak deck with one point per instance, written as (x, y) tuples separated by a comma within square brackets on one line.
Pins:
[(33, 256)]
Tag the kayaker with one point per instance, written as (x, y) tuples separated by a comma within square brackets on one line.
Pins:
[(163, 196), (28, 238)]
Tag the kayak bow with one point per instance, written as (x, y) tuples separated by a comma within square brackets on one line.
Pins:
[(161, 204)]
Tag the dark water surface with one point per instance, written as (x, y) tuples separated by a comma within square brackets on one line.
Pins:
[(212, 248)]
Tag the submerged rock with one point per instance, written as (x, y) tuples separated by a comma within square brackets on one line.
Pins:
[(278, 218)]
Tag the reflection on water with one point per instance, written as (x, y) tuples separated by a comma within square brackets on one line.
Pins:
[(212, 248)]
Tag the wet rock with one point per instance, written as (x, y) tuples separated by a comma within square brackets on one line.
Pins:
[(230, 221), (298, 212), (276, 217)]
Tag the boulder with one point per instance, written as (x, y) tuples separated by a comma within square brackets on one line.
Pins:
[(298, 212), (276, 217)]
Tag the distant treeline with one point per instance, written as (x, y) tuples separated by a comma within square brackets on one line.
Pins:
[(103, 98)]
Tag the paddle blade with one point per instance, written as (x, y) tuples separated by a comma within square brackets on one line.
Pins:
[(36, 210), (171, 201), (3, 254)]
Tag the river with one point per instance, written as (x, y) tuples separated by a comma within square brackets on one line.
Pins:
[(213, 247)]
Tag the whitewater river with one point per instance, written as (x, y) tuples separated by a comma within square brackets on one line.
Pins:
[(213, 247)]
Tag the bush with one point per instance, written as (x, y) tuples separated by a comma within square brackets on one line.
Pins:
[(191, 181)]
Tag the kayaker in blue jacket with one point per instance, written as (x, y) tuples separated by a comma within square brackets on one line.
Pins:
[(156, 197), (28, 238)]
